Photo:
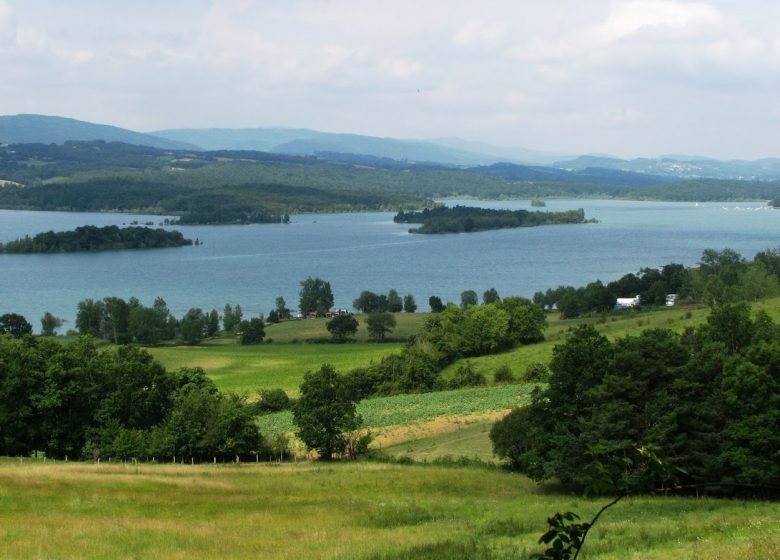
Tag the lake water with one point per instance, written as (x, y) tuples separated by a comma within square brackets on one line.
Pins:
[(253, 264)]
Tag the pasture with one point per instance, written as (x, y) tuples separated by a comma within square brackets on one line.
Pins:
[(244, 369), (361, 511)]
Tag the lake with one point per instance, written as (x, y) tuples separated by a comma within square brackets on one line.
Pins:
[(253, 264)]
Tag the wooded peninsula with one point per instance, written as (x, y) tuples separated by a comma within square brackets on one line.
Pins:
[(93, 238), (465, 219)]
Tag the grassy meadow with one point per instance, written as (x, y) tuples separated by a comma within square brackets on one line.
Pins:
[(363, 511)]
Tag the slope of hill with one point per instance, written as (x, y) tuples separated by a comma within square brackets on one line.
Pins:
[(44, 129), (303, 141)]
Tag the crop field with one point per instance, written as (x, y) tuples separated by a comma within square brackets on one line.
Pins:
[(469, 440), (361, 511), (408, 411)]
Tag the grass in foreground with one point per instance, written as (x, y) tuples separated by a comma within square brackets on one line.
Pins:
[(354, 511)]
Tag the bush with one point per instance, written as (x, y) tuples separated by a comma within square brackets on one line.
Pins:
[(504, 374), (272, 400), (537, 371), (466, 376)]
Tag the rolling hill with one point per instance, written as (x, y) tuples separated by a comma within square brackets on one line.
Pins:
[(44, 129)]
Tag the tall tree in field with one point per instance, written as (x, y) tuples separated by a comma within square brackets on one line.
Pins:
[(194, 325), (410, 306), (394, 302), (342, 326), (50, 324), (326, 412), (315, 296), (380, 324)]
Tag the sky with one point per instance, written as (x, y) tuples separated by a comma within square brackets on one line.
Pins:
[(631, 78)]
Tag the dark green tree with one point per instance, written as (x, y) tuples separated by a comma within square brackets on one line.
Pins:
[(490, 296), (468, 298), (394, 302), (342, 326), (380, 324), (144, 325), (113, 324), (436, 304), (193, 326), (282, 312), (326, 412), (89, 317), (316, 296), (50, 324), (252, 331), (15, 325), (410, 306), (213, 323), (369, 302)]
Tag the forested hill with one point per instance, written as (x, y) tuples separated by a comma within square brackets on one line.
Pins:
[(21, 129), (249, 186), (92, 238)]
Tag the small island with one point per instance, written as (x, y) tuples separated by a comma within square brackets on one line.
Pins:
[(466, 219), (538, 203), (93, 238)]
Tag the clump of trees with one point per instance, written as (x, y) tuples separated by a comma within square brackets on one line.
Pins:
[(447, 336), (75, 401), (705, 401), (316, 296), (370, 302), (14, 324), (93, 238), (466, 219)]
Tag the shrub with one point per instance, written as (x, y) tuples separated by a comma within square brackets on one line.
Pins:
[(504, 375)]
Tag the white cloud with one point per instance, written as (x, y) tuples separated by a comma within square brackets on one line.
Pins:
[(664, 16), (7, 24), (478, 32)]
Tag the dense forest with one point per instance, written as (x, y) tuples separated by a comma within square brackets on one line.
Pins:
[(704, 404), (92, 238), (466, 219), (77, 401)]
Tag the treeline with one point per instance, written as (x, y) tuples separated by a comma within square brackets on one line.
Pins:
[(704, 405), (721, 277), (454, 333), (92, 238), (123, 322), (74, 401), (465, 219)]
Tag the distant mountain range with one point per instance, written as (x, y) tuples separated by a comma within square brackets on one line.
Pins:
[(44, 129), (683, 167), (305, 142), (383, 151)]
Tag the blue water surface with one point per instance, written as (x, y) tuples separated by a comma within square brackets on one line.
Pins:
[(253, 264)]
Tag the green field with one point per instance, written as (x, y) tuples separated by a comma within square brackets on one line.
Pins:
[(361, 511), (244, 369), (467, 440)]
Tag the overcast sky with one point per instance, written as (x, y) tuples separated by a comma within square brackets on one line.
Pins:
[(625, 77)]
